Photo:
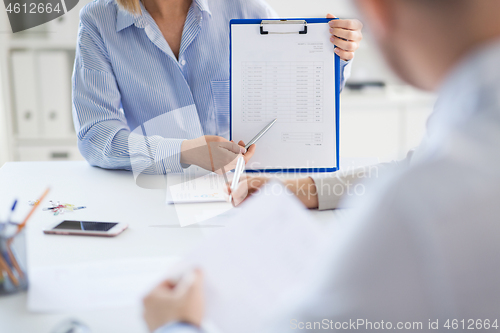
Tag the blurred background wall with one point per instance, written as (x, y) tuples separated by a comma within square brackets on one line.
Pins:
[(380, 117)]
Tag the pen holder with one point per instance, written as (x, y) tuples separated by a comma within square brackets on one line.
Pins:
[(13, 277)]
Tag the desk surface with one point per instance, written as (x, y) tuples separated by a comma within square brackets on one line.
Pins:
[(154, 231)]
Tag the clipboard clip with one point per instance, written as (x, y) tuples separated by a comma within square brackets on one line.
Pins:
[(300, 32)]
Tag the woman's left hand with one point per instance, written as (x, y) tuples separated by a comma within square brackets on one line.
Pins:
[(346, 35)]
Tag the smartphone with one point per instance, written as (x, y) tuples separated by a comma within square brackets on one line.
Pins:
[(87, 228)]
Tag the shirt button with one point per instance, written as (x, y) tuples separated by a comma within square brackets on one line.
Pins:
[(183, 62)]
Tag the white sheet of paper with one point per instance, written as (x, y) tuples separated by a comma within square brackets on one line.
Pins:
[(289, 77), (252, 265), (105, 284), (196, 185)]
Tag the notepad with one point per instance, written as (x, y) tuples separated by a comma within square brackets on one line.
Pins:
[(196, 185)]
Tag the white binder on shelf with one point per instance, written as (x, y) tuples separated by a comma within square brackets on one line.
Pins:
[(54, 83), (25, 94)]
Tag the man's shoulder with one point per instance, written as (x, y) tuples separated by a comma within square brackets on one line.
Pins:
[(442, 189)]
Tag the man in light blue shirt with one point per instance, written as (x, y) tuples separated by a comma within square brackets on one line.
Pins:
[(148, 86), (420, 252)]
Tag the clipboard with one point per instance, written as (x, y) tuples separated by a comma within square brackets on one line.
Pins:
[(265, 83)]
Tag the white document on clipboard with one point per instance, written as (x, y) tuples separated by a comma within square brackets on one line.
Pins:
[(290, 76)]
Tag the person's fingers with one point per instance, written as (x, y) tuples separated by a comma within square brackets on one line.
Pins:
[(193, 307), (330, 16), (242, 145), (354, 36), (241, 192), (345, 45), (225, 161), (346, 24), (344, 55), (194, 284), (198, 279), (247, 187), (231, 146), (169, 284), (249, 153), (227, 189)]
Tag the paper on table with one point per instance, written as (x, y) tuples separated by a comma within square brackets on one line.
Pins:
[(196, 185), (104, 284), (253, 265), (192, 213)]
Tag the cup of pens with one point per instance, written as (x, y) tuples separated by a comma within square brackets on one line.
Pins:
[(13, 273), (13, 277)]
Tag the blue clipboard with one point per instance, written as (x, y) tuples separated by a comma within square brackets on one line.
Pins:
[(337, 90)]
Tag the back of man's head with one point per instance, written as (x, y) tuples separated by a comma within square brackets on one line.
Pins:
[(423, 39)]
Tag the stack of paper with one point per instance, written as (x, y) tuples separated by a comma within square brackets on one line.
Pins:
[(253, 265), (196, 185)]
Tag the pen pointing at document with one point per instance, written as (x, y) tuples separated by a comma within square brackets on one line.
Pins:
[(240, 165), (260, 134)]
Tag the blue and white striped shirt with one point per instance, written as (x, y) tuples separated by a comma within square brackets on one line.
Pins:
[(134, 102)]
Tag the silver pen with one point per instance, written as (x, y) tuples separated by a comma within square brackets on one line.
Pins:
[(261, 133), (238, 171)]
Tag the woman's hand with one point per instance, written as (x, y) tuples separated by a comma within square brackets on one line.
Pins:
[(214, 153), (303, 188), (170, 302), (346, 35)]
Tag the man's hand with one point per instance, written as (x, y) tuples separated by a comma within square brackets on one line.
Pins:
[(246, 187), (214, 153), (346, 35), (170, 302), (303, 188)]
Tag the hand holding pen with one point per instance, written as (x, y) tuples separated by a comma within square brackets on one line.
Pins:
[(258, 136)]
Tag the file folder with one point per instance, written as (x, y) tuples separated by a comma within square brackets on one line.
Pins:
[(25, 95), (54, 81)]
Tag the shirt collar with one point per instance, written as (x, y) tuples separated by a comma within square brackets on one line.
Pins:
[(125, 19), (203, 6)]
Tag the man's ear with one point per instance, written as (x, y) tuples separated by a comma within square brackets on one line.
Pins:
[(378, 14)]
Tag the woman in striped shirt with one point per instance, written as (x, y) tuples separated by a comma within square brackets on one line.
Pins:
[(151, 81)]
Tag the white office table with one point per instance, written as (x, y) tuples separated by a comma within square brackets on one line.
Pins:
[(154, 231)]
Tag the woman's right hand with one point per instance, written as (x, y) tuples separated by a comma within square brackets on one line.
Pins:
[(214, 153)]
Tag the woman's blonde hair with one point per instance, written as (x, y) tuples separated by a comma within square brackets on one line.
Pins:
[(131, 6)]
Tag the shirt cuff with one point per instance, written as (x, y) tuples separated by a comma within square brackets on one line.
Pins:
[(178, 327), (168, 156), (345, 72), (329, 190)]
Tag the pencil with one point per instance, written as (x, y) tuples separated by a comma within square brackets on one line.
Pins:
[(5, 267), (22, 225), (14, 262)]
